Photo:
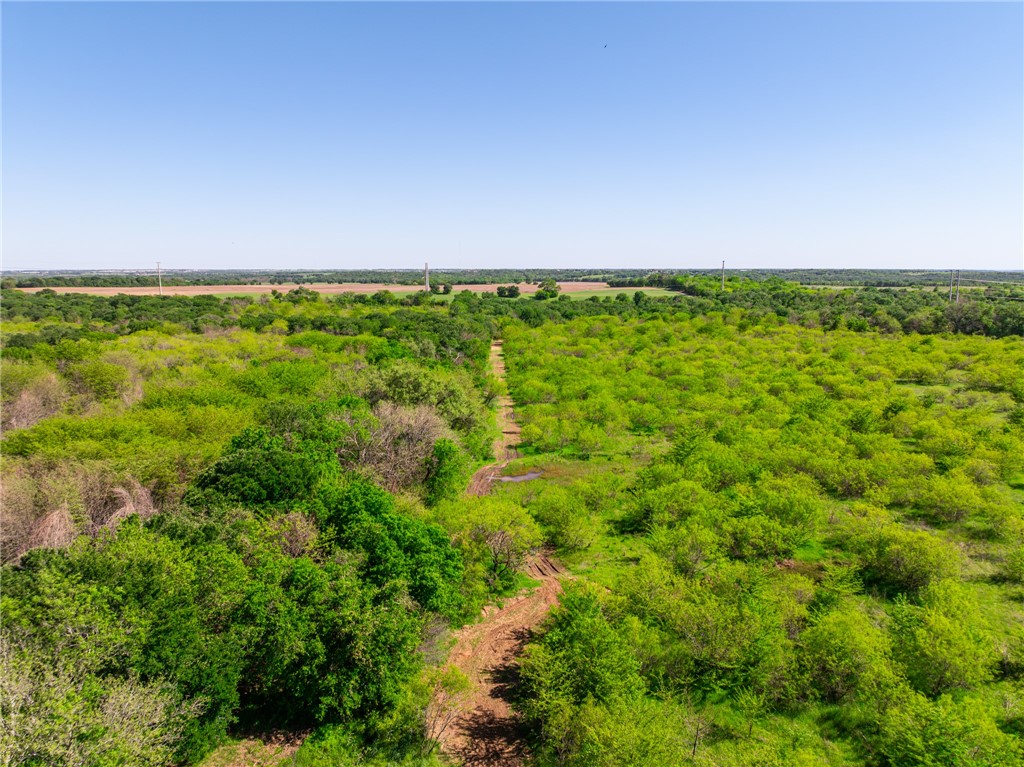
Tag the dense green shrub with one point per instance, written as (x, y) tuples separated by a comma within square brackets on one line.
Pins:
[(446, 472), (845, 656), (257, 469), (942, 641)]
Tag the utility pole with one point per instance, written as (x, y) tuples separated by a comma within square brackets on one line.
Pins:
[(958, 286), (950, 286), (159, 279), (723, 275), (426, 277)]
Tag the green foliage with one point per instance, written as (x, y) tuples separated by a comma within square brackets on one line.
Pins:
[(922, 733), (495, 536), (452, 395), (397, 548), (57, 711), (579, 657), (800, 510), (690, 548), (846, 656), (641, 733), (101, 379), (898, 560), (807, 523), (257, 469), (547, 288), (568, 523), (942, 642), (446, 472), (1013, 564), (135, 598), (333, 653)]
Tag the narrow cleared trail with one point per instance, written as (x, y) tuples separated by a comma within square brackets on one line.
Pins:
[(508, 438), (488, 733)]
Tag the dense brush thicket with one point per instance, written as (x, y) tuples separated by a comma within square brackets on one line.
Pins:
[(223, 531), (810, 543)]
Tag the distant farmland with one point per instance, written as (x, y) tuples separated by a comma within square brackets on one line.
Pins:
[(349, 287)]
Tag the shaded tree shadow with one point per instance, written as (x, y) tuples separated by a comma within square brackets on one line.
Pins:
[(493, 739), (506, 677)]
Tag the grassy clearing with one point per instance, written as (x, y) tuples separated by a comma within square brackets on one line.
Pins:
[(255, 752)]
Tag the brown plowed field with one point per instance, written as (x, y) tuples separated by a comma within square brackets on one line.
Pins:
[(343, 287)]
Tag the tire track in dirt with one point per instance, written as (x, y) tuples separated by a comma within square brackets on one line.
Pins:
[(508, 437), (489, 733)]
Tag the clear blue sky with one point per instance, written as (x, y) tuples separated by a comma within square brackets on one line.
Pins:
[(343, 135)]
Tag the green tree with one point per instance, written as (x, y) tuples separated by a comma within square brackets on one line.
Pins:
[(846, 656), (565, 518), (918, 732), (941, 641), (446, 472), (579, 656)]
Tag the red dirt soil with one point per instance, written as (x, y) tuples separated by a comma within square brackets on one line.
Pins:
[(343, 287), (489, 733), (508, 438)]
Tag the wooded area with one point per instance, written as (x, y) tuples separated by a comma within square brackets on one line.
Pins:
[(792, 520)]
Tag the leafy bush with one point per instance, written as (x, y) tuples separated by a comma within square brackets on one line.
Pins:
[(920, 733), (101, 379), (399, 549), (846, 656), (257, 469), (941, 640), (579, 656), (899, 560), (566, 520)]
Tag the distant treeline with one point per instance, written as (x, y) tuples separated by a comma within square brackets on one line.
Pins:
[(302, 277), (615, 277), (673, 279), (996, 311)]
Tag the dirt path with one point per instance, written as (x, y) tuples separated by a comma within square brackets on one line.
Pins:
[(489, 733), (505, 444)]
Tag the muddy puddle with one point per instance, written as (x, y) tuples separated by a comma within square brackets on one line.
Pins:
[(522, 477)]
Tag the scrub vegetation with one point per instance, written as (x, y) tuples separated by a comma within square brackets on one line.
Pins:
[(792, 546), (792, 521)]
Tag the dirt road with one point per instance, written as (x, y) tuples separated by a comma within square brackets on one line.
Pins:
[(508, 438), (489, 733)]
